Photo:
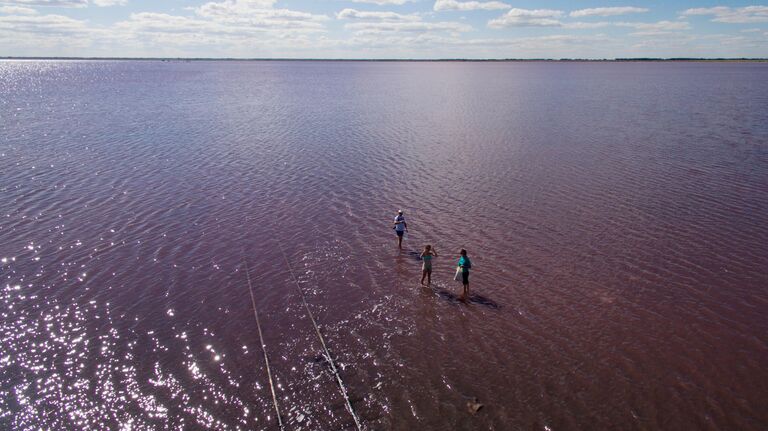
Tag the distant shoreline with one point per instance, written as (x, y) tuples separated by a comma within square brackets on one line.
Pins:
[(520, 60)]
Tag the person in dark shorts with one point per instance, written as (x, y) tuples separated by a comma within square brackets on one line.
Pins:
[(465, 264), (400, 227)]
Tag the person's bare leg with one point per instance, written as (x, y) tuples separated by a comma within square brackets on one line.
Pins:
[(429, 278), (423, 274), (400, 242), (465, 296)]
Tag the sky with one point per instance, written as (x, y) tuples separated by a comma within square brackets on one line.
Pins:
[(424, 29)]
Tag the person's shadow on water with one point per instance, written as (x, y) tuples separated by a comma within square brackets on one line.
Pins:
[(453, 298)]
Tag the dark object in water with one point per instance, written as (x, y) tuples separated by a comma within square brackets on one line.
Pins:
[(473, 406), (482, 300), (473, 299), (319, 359)]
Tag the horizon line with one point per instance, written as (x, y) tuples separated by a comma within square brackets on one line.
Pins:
[(617, 59)]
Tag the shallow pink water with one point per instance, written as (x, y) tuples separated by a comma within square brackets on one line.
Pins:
[(615, 213)]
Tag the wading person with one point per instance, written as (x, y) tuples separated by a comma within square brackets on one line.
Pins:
[(400, 227), (426, 267), (465, 265)]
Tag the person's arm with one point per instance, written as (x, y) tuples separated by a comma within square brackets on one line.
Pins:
[(434, 252), (405, 225)]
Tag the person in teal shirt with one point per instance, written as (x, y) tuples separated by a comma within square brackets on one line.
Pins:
[(465, 264)]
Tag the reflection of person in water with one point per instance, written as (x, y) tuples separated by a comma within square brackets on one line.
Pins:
[(400, 227), (426, 268), (465, 264)]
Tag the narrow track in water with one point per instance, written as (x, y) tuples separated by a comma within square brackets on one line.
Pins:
[(328, 357), (263, 346)]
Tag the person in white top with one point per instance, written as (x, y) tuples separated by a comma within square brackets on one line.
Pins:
[(400, 227)]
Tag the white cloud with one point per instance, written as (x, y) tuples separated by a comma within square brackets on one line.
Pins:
[(453, 46), (579, 25), (17, 10), (372, 28), (65, 3), (233, 7), (607, 11), (382, 2), (388, 23), (151, 22), (56, 3), (225, 28), (110, 2), (741, 15), (528, 18), (179, 35), (443, 5), (665, 26), (649, 27), (661, 28), (375, 16), (46, 26), (258, 13)]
